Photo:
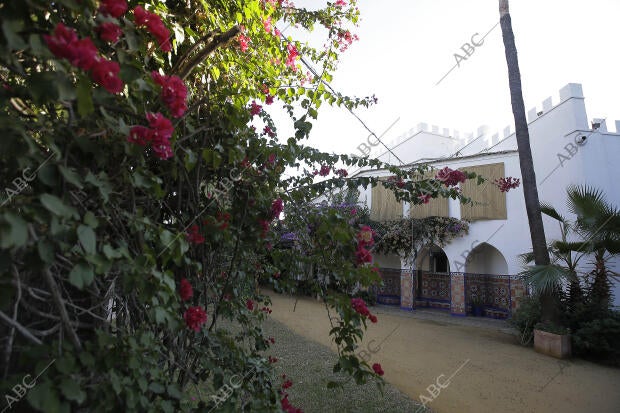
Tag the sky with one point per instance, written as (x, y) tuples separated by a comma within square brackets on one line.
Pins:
[(406, 47)]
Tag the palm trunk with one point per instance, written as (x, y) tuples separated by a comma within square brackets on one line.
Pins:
[(601, 290), (532, 205)]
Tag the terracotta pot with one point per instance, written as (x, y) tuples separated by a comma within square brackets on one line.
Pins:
[(554, 345)]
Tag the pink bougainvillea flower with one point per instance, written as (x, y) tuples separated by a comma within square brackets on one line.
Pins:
[(425, 198), (264, 227), (115, 8), (324, 170), (277, 206), (450, 177), (269, 132), (140, 135), (140, 16), (363, 255), (105, 74), (365, 236), (173, 93), (373, 318), (267, 25), (109, 32), (340, 3), (255, 108), (377, 369), (186, 291), (506, 184), (154, 25), (287, 384), (84, 56), (268, 99), (194, 236), (162, 130), (61, 41), (243, 42), (249, 305), (292, 56), (195, 318)]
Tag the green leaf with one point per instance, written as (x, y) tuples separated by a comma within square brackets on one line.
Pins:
[(42, 87), (46, 251), (91, 220), (85, 97), (156, 388), (17, 234), (71, 176), (71, 390), (81, 275), (87, 238), (10, 29), (57, 207)]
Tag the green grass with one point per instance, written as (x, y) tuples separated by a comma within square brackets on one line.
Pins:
[(309, 366)]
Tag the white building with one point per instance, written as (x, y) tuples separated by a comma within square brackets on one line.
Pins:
[(567, 149)]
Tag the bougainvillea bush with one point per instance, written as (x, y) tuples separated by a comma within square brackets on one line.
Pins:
[(142, 179)]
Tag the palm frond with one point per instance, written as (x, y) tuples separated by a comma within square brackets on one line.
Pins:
[(550, 211), (546, 278), (526, 258)]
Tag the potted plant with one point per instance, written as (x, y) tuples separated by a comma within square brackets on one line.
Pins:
[(477, 306), (552, 340)]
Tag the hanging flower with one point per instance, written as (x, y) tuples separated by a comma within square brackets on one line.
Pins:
[(195, 318), (109, 32), (173, 93), (114, 8), (377, 369), (186, 291)]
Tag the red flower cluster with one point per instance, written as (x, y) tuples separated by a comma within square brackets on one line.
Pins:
[(186, 291), (264, 226), (195, 317), (425, 198), (114, 8), (342, 173), (255, 108), (173, 93), (243, 42), (359, 305), (377, 368), (364, 239), (292, 56), (250, 305), (346, 39), (194, 236), (158, 135), (223, 219), (269, 132), (82, 54), (277, 207), (288, 407), (154, 25), (273, 359), (109, 32), (287, 384), (506, 184), (325, 170), (450, 177)]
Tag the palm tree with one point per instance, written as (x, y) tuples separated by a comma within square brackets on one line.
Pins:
[(548, 302), (597, 223), (563, 267)]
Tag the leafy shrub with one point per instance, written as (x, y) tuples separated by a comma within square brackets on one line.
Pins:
[(525, 318), (599, 339)]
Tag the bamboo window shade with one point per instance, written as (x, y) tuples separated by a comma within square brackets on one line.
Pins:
[(489, 201), (383, 204), (437, 207)]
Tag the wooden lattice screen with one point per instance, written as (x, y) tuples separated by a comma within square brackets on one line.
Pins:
[(489, 201), (383, 205)]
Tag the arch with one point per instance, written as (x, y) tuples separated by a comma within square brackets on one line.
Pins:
[(432, 258), (486, 259)]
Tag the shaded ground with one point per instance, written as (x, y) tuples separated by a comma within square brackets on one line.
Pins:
[(490, 371), (309, 366)]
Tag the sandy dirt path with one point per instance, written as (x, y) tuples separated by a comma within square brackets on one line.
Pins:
[(496, 374)]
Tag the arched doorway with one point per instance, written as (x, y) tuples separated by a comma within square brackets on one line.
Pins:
[(487, 283), (432, 283)]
